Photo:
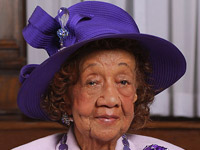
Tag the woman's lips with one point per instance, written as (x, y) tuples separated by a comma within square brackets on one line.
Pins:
[(107, 119)]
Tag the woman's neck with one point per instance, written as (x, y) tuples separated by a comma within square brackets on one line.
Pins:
[(85, 142)]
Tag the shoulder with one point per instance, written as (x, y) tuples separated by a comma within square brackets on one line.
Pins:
[(142, 141), (48, 142)]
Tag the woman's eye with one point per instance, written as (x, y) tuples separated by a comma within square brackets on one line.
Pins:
[(124, 82), (92, 83)]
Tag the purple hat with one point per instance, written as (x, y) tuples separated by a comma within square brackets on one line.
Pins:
[(88, 21)]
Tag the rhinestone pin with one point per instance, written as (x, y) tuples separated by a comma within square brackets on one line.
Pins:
[(63, 17)]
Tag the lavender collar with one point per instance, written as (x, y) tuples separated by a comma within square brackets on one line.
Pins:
[(64, 146)]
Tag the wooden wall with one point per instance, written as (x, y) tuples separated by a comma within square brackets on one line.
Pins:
[(12, 51)]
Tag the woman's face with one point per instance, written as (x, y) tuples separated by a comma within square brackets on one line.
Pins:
[(103, 98)]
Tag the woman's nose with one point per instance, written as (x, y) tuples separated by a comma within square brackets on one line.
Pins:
[(109, 97)]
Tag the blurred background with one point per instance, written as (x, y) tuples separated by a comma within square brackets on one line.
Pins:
[(176, 112)]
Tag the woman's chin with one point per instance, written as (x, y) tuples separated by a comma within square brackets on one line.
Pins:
[(106, 131), (105, 135)]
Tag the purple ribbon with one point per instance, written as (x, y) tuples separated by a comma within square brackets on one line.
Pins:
[(41, 32), (26, 71)]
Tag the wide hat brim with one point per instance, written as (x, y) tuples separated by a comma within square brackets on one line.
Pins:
[(90, 21), (167, 62)]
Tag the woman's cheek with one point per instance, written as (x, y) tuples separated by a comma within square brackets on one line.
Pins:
[(127, 96), (128, 106), (127, 91), (83, 103)]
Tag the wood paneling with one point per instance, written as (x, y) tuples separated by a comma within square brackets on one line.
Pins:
[(12, 51), (9, 86), (14, 133), (12, 57), (12, 45)]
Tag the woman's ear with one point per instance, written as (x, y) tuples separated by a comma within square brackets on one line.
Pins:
[(135, 98)]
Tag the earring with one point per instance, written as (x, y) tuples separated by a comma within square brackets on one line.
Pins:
[(66, 119)]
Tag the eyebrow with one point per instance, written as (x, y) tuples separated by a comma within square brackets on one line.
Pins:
[(125, 64)]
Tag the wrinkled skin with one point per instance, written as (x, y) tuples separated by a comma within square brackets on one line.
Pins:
[(103, 99)]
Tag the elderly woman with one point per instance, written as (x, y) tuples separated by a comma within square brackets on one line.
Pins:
[(100, 78)]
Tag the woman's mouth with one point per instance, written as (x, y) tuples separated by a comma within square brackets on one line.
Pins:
[(107, 119)]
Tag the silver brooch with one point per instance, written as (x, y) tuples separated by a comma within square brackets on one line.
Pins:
[(63, 17)]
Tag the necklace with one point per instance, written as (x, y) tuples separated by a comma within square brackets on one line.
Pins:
[(64, 146)]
